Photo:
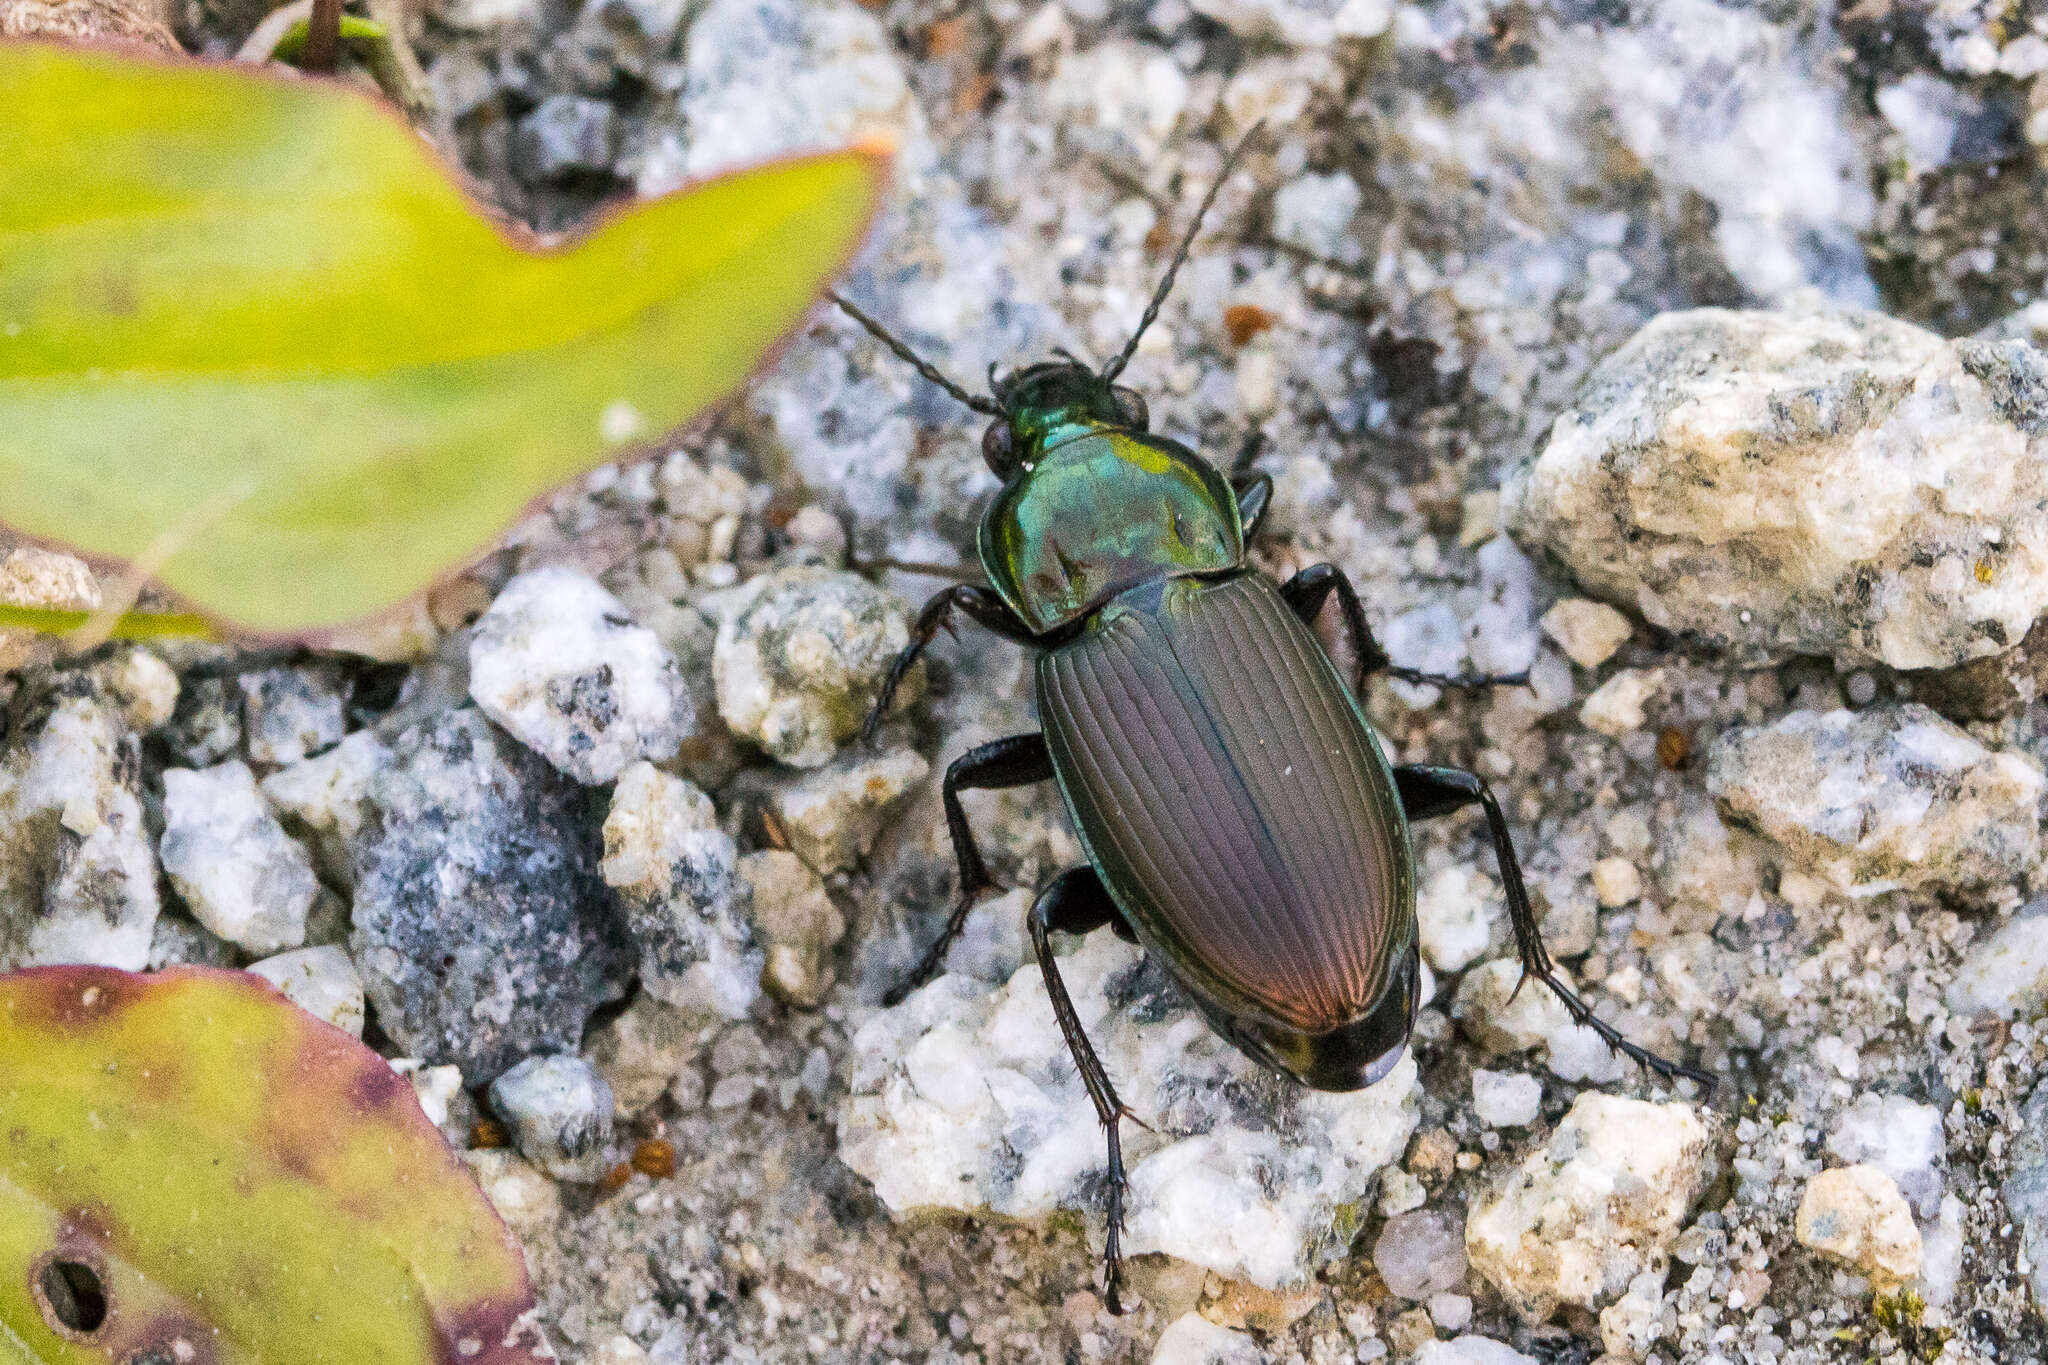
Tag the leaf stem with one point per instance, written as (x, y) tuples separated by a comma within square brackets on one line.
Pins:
[(323, 37)]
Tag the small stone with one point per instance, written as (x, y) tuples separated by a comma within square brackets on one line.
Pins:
[(1450, 1312), (833, 816), (617, 1349), (1506, 1099), (78, 881), (560, 665), (178, 941), (1314, 212), (2005, 974), (1454, 913), (564, 137), (527, 1200), (1597, 1205), (799, 923), (1893, 796), (1856, 1213), (31, 576), (1300, 23), (1900, 1137), (320, 981), (289, 714), (799, 664), (1630, 1325), (1616, 882), (641, 1050), (241, 875), (1421, 1253), (1587, 631), (2026, 1189), (1503, 1014), (1834, 483), (206, 724), (560, 1113), (145, 687), (675, 870), (482, 929), (1400, 1192), (326, 796), (1409, 1332), (1192, 1339), (1250, 1307), (1616, 706), (435, 1087), (1471, 1350), (963, 1098)]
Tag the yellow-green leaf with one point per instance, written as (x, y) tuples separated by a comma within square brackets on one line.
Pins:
[(246, 319), (224, 1171)]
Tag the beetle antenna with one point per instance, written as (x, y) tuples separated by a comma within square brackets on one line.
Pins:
[(1180, 255), (911, 358)]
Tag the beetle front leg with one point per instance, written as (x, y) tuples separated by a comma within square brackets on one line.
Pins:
[(1308, 590), (1076, 901), (1017, 761), (1254, 489), (981, 604), (1427, 792)]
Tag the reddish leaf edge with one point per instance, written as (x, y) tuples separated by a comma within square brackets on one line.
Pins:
[(877, 149), (515, 1324)]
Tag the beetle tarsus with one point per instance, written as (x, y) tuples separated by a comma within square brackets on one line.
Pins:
[(1075, 900), (1431, 791), (1464, 680)]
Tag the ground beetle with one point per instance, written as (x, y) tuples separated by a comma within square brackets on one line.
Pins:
[(1240, 819)]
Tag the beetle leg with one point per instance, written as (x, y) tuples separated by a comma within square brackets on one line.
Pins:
[(1308, 590), (1254, 490), (1427, 792), (1074, 899), (982, 604), (1017, 761)]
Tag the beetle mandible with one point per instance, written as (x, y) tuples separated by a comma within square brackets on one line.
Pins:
[(1240, 819)]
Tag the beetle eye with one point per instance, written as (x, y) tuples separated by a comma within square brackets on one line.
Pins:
[(1131, 404), (996, 448)]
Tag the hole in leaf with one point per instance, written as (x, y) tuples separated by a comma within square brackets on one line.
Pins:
[(72, 1296)]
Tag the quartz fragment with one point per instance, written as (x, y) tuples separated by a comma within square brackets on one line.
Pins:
[(963, 1097), (320, 981), (1892, 796), (560, 665), (1780, 483), (242, 876), (1856, 1213), (1597, 1206), (2005, 973)]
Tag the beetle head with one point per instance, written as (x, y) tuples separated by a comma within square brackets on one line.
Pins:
[(1039, 400), (1348, 1058)]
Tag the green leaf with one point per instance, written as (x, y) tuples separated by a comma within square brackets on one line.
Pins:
[(230, 1172), (246, 320)]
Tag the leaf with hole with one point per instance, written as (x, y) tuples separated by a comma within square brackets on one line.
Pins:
[(252, 335), (193, 1170)]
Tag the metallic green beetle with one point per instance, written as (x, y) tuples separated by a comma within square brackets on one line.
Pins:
[(1240, 819)]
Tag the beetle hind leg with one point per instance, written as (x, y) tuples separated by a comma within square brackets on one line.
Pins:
[(1430, 791), (1076, 902), (1018, 761), (1308, 590)]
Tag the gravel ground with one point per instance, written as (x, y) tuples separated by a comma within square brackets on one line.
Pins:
[(1776, 781)]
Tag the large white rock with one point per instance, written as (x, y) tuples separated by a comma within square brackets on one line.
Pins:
[(1795, 482), (1894, 796), (241, 874), (1596, 1206), (963, 1097), (558, 663), (2007, 973)]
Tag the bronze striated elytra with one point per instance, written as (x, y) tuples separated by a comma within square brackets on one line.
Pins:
[(1240, 818)]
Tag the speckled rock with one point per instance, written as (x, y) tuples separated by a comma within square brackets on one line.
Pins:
[(2006, 971), (77, 877), (289, 714), (1887, 797), (560, 1113), (832, 816), (560, 665), (241, 875), (1596, 1206), (206, 724), (1192, 1339), (799, 925), (2026, 1190), (674, 870), (799, 662), (321, 981), (1856, 1214), (963, 1097), (482, 929), (1779, 483)]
